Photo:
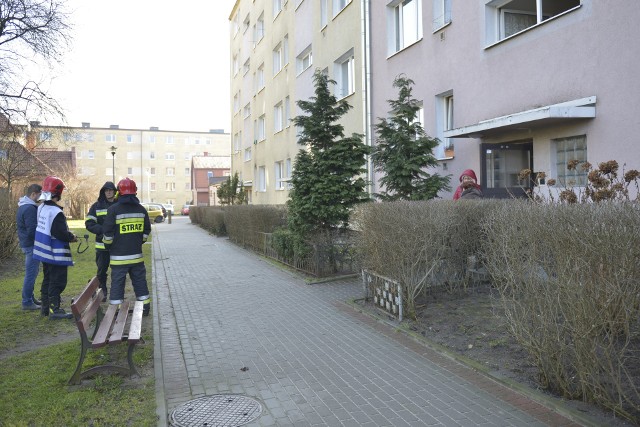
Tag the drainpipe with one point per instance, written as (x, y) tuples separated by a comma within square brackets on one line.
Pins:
[(366, 83)]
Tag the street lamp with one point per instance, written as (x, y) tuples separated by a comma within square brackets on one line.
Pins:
[(113, 162)]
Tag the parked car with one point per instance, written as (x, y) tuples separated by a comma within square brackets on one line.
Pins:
[(169, 208), (185, 210), (156, 211)]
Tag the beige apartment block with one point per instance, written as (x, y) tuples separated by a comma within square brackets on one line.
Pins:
[(276, 45), (159, 161)]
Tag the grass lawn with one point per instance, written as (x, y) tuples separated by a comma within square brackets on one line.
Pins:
[(38, 356)]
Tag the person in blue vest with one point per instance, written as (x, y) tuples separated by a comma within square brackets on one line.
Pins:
[(93, 223), (125, 229), (52, 248), (26, 221)]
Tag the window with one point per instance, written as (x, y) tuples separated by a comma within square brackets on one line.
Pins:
[(259, 30), (170, 186), (247, 154), (209, 174), (152, 186), (277, 7), (152, 155), (287, 112), (187, 186), (170, 172), (344, 75), (236, 103), (441, 13), (277, 117), (567, 149), (260, 131), (246, 66), (279, 175), (130, 139), (338, 5), (236, 65), (260, 78), (152, 139), (278, 62), (444, 122), (170, 156), (170, 140), (246, 23), (90, 154), (304, 60), (196, 141), (187, 156), (187, 171), (246, 111), (323, 13), (262, 179), (236, 24), (152, 171), (237, 138), (288, 173), (110, 137), (407, 24), (505, 18), (129, 171)]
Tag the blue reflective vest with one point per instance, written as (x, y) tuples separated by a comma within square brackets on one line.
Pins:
[(47, 248)]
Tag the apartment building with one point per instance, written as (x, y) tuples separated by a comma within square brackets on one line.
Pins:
[(276, 45), (536, 83), (159, 161)]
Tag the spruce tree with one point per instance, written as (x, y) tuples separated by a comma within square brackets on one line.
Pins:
[(404, 152), (328, 173)]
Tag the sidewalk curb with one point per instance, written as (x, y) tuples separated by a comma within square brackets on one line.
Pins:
[(552, 403)]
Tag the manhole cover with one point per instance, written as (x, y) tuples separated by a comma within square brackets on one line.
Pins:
[(218, 410)]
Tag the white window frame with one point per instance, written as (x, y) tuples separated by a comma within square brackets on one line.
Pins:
[(169, 156), (445, 110), (260, 129), (277, 8), (110, 137), (170, 171), (287, 112), (324, 16), (247, 154), (344, 72), (495, 11), (91, 154), (259, 30), (278, 59), (304, 60), (339, 5), (278, 115), (246, 111), (441, 14), (288, 173), (130, 139), (404, 20), (260, 78), (246, 66), (236, 65), (279, 175), (262, 179)]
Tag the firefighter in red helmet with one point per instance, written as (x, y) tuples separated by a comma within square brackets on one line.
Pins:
[(52, 248), (125, 229)]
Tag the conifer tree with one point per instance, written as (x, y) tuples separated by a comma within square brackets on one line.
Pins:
[(404, 152), (328, 173)]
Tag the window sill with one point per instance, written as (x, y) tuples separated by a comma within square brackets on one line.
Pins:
[(404, 48), (442, 27)]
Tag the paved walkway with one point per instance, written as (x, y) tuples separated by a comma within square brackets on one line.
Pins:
[(311, 359)]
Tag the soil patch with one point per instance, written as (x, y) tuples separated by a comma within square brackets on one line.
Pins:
[(471, 324)]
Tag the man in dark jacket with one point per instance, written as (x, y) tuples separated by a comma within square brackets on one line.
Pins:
[(26, 220), (52, 248), (126, 228), (93, 223)]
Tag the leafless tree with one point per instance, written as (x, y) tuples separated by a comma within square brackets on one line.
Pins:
[(32, 33)]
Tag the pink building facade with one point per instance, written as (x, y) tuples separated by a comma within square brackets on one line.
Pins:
[(513, 84)]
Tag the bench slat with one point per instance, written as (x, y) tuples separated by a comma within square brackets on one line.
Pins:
[(121, 321), (90, 312), (80, 303), (136, 322), (102, 335)]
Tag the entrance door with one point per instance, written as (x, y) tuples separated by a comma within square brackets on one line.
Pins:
[(501, 165)]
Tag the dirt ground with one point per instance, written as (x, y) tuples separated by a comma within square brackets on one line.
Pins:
[(470, 324)]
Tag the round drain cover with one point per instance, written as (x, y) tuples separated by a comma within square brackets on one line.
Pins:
[(217, 410)]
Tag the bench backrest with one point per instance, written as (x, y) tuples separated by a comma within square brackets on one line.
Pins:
[(86, 305)]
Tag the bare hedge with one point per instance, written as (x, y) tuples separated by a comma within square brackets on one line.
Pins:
[(567, 276), (8, 230)]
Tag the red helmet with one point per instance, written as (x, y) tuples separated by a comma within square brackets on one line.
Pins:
[(53, 185), (127, 186)]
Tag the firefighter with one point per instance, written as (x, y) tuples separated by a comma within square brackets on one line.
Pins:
[(125, 229), (93, 224), (52, 248)]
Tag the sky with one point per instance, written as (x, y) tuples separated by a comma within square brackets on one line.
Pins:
[(143, 63)]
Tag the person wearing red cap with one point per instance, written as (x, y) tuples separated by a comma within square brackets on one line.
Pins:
[(125, 229), (52, 248), (468, 188)]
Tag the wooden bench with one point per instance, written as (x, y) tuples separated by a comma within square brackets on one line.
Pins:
[(109, 327)]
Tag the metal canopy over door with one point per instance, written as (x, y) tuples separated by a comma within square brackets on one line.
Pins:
[(501, 165)]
